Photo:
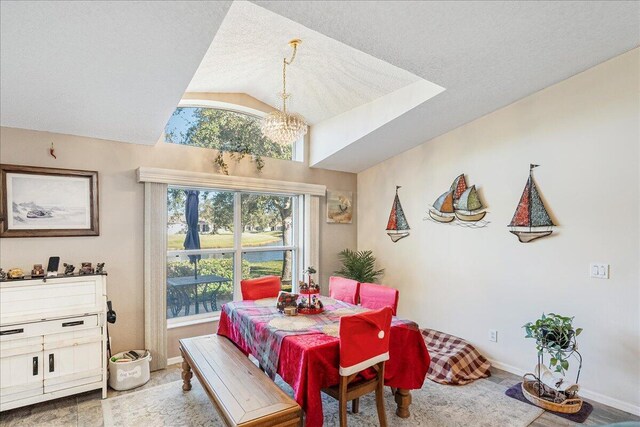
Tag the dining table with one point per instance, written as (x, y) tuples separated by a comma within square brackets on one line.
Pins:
[(304, 350)]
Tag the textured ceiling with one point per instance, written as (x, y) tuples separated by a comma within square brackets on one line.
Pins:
[(110, 69), (486, 54), (116, 70), (327, 77)]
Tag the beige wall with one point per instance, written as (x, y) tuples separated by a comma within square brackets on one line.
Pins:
[(173, 335), (584, 132), (120, 243)]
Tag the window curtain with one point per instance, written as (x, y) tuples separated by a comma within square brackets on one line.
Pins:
[(155, 273)]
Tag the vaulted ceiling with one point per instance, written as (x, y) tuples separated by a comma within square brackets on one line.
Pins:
[(117, 70), (326, 78)]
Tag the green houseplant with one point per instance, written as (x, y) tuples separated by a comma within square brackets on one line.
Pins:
[(358, 265), (556, 335)]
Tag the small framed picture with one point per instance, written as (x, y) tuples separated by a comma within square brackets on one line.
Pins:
[(339, 207), (48, 202)]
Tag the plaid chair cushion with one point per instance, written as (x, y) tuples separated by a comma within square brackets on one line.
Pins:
[(453, 360)]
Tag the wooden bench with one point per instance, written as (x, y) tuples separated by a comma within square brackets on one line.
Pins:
[(241, 393)]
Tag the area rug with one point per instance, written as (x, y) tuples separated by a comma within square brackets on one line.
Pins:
[(481, 403), (579, 417)]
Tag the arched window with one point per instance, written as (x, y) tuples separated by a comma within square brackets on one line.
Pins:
[(230, 130)]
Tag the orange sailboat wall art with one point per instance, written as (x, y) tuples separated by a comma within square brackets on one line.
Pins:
[(461, 203), (397, 225)]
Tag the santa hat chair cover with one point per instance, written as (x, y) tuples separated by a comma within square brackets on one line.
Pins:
[(364, 340)]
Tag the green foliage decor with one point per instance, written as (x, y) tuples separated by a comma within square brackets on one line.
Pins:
[(555, 334), (218, 266), (358, 265)]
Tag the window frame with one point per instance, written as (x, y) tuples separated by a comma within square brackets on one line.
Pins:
[(297, 249), (297, 149), (155, 182)]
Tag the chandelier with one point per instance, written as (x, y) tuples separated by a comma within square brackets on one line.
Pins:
[(280, 126)]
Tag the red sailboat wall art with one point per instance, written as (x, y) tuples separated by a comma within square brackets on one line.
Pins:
[(531, 221), (397, 226)]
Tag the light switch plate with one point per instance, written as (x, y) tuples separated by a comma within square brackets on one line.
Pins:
[(493, 335), (599, 271)]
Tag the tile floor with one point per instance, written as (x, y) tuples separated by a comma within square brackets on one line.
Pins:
[(85, 410)]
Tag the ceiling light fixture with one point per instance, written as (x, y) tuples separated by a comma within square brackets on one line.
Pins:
[(281, 126)]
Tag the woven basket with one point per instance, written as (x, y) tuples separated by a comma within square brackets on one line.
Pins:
[(569, 406)]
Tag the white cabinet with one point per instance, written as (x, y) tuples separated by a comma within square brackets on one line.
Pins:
[(52, 339)]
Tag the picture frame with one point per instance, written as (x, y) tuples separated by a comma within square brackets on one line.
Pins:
[(339, 207), (48, 202)]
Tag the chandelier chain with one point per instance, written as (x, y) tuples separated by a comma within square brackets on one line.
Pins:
[(285, 95)]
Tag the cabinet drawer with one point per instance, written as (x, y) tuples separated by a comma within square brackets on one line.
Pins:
[(73, 338), (35, 300), (25, 330)]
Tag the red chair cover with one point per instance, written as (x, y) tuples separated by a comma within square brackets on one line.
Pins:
[(364, 340), (378, 296), (262, 287), (344, 289)]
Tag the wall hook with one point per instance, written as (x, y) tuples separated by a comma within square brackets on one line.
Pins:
[(52, 151)]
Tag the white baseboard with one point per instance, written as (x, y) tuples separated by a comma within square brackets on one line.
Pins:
[(587, 394), (178, 359)]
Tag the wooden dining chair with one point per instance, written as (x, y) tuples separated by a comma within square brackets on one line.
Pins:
[(344, 289), (364, 344), (262, 287), (376, 296)]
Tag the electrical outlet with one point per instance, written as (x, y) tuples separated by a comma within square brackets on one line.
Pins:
[(599, 271), (493, 335)]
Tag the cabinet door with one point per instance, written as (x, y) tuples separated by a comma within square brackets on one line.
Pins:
[(72, 359), (21, 375)]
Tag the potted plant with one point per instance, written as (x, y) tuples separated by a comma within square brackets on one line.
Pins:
[(358, 265), (556, 335)]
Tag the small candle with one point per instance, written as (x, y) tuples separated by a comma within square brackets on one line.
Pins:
[(290, 311)]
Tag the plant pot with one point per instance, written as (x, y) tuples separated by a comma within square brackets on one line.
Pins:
[(551, 337)]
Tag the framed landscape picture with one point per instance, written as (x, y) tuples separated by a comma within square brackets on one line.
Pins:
[(48, 202), (339, 207)]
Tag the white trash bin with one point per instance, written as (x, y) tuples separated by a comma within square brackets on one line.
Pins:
[(129, 374)]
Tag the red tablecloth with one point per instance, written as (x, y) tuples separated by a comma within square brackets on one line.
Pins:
[(309, 362)]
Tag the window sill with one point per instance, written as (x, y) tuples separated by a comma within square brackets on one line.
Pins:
[(192, 320)]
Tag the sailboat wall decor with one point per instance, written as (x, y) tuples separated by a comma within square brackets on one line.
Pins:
[(461, 202), (531, 221), (397, 226)]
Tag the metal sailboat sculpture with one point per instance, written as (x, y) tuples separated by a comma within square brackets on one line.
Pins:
[(469, 205), (443, 208), (397, 226), (460, 202), (531, 220)]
